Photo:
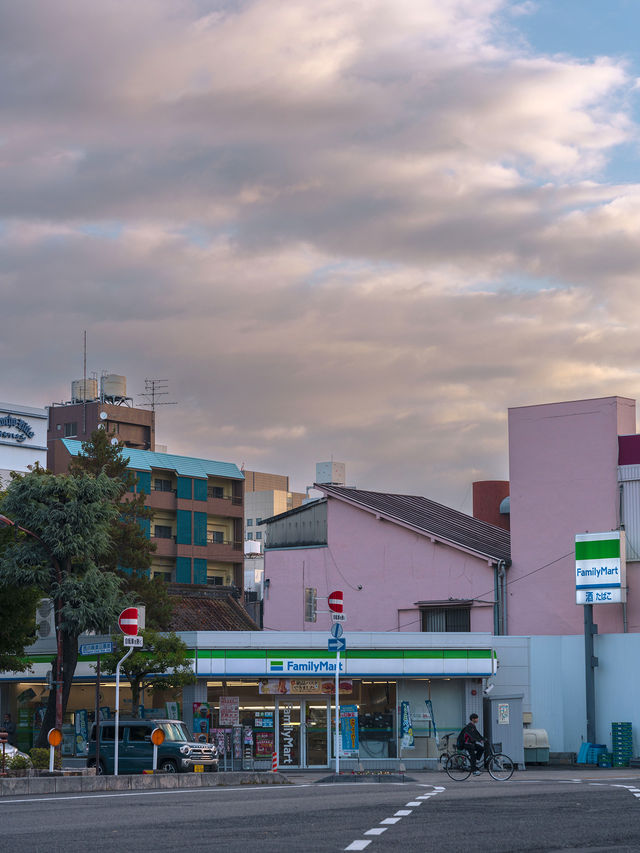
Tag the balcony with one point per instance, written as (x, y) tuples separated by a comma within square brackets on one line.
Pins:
[(162, 499), (227, 507), (227, 549), (165, 547)]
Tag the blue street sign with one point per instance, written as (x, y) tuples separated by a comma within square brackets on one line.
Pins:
[(337, 630), (97, 648), (339, 644)]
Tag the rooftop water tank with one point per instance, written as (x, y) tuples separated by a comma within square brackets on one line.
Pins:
[(113, 386), (83, 390)]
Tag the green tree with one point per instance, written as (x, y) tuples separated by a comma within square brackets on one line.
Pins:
[(132, 549), (17, 617), (68, 520), (161, 664)]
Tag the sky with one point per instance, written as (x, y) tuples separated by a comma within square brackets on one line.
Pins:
[(356, 230)]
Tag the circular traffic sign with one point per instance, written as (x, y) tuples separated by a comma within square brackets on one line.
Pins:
[(337, 630), (54, 737), (157, 737), (128, 621), (336, 601)]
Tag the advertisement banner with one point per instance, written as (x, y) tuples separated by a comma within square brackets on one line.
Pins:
[(300, 686), (406, 726), (217, 737), (173, 710), (229, 711), (264, 744), (201, 718), (349, 740), (263, 720), (82, 732)]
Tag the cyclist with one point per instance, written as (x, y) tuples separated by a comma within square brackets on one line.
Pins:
[(469, 740)]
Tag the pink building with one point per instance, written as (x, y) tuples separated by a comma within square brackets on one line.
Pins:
[(565, 479), (404, 563)]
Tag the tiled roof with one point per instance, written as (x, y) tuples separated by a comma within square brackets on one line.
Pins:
[(184, 466), (430, 517), (204, 613)]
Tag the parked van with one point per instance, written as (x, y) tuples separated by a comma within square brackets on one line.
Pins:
[(177, 754)]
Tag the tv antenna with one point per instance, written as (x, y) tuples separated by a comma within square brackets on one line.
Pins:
[(154, 388)]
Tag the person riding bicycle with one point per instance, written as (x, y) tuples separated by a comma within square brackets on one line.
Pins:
[(469, 740)]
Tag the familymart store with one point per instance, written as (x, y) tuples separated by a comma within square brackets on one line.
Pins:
[(278, 690), (257, 693)]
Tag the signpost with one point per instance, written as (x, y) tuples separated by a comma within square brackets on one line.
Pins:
[(157, 739), (105, 647), (600, 579), (336, 644), (128, 624)]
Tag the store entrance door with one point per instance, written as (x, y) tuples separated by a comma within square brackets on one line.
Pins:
[(302, 733)]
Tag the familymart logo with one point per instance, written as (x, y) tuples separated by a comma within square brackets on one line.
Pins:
[(307, 667)]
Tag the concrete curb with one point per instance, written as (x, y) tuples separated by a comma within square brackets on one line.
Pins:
[(21, 786)]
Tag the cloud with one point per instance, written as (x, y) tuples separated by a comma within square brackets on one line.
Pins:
[(337, 229)]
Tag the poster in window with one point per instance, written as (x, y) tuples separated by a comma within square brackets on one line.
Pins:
[(229, 711)]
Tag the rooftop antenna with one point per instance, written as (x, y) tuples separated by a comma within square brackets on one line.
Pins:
[(154, 388), (84, 386)]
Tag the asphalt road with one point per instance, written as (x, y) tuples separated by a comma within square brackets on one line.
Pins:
[(478, 815)]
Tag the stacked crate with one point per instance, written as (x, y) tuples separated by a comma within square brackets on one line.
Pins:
[(621, 744)]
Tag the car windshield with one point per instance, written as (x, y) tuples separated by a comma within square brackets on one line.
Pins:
[(175, 731)]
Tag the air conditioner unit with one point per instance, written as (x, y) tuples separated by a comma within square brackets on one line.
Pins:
[(45, 619)]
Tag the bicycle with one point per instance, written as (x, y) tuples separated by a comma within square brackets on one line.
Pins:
[(446, 754), (499, 766)]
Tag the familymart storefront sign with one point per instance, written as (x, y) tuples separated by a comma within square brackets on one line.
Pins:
[(601, 568), (355, 663)]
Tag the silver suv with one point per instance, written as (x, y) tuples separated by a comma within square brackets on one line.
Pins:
[(178, 753)]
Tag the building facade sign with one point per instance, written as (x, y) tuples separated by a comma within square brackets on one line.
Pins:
[(21, 429), (23, 439), (601, 568)]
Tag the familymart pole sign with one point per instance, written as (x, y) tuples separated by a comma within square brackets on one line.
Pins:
[(601, 568)]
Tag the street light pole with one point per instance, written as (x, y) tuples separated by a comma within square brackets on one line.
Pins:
[(7, 522)]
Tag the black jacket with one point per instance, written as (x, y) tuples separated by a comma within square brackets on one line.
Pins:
[(471, 733)]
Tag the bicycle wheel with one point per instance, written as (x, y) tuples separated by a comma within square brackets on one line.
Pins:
[(458, 767), (442, 761), (501, 767)]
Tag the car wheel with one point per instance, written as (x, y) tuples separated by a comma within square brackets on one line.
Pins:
[(168, 766), (101, 770)]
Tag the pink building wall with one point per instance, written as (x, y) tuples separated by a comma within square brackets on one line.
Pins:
[(563, 461), (394, 566)]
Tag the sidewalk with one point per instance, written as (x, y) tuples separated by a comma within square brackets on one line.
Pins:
[(67, 783)]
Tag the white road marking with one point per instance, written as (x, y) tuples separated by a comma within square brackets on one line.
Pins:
[(389, 821), (8, 800)]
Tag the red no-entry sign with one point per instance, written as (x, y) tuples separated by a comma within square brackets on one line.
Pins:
[(336, 601), (128, 621)]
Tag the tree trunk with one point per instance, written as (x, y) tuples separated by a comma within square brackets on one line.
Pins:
[(69, 662), (135, 697)]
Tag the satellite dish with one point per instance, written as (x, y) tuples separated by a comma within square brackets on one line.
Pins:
[(102, 426), (114, 441), (103, 416)]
